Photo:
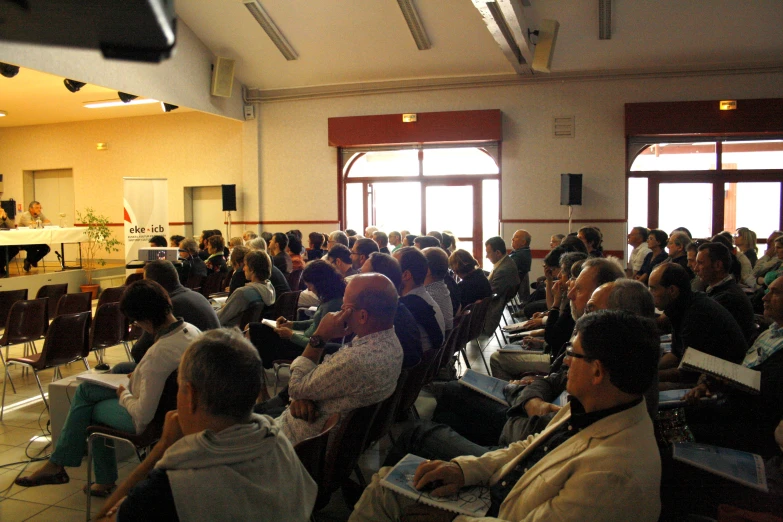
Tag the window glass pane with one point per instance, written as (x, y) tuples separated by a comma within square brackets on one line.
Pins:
[(744, 155), (386, 163), (354, 211), (686, 205), (637, 202), (676, 156), (388, 201), (490, 207), (450, 208), (752, 205), (445, 162)]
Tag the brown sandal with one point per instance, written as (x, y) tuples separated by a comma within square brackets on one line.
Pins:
[(100, 493), (61, 477)]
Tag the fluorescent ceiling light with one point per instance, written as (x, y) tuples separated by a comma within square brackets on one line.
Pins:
[(3, 113), (271, 29), (414, 24), (117, 103)]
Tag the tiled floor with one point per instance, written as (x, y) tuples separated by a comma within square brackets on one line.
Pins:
[(23, 434)]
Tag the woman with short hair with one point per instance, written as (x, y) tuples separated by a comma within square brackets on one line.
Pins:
[(258, 269), (146, 304)]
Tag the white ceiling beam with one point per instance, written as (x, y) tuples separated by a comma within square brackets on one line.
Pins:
[(495, 21), (515, 19)]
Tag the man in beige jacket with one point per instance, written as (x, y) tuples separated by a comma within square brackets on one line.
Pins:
[(596, 460)]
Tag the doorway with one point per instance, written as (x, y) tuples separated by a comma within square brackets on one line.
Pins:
[(54, 190), (455, 189)]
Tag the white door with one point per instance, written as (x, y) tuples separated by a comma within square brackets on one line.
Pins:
[(208, 210), (54, 190)]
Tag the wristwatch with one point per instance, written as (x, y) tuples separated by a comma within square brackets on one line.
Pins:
[(316, 341)]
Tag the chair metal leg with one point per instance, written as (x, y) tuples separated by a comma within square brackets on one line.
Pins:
[(127, 351), (40, 388), (481, 353), (7, 375), (5, 381), (86, 364)]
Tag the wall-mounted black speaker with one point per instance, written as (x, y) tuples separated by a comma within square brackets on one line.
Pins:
[(230, 197), (570, 189)]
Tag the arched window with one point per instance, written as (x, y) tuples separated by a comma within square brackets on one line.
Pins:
[(423, 188)]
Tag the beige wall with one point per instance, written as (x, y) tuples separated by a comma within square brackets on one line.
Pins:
[(190, 149), (295, 153), (285, 170)]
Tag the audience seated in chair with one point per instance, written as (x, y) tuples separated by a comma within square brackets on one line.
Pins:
[(216, 262), (435, 284), (742, 420), (359, 374), (290, 338), (294, 250), (146, 304), (186, 304), (7, 253), (473, 284), (258, 268), (596, 460), (696, 321), (280, 257), (217, 460), (413, 295), (713, 263), (192, 265)]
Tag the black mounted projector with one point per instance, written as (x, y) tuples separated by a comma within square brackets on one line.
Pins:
[(138, 30)]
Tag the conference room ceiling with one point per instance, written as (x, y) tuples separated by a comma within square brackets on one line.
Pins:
[(361, 45), (356, 41)]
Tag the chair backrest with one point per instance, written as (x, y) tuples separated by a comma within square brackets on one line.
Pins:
[(26, 322), (7, 300), (345, 446), (167, 402), (110, 295), (524, 288), (108, 327), (312, 451), (294, 278), (388, 411), (67, 339), (285, 305), (453, 344), (478, 316), (415, 381), (136, 276), (195, 282), (74, 303), (54, 293), (252, 314), (212, 284)]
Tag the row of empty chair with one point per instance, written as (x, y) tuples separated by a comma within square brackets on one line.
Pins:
[(71, 335)]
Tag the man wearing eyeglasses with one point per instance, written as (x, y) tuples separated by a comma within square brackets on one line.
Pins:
[(596, 460)]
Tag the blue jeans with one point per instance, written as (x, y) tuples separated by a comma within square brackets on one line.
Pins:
[(92, 404)]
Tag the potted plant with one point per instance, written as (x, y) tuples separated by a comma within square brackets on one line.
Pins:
[(100, 239)]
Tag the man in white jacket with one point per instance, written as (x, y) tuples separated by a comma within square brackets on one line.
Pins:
[(217, 460), (596, 460)]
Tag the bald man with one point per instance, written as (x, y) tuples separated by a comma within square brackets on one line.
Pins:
[(520, 254), (361, 373)]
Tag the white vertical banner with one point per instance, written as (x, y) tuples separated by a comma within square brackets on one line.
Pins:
[(146, 205)]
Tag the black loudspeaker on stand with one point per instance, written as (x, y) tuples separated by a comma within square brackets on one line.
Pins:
[(230, 197), (570, 189)]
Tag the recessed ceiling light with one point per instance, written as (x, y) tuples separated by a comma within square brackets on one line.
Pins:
[(117, 103), (3, 113)]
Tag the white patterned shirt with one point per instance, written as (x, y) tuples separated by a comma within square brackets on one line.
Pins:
[(358, 374)]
